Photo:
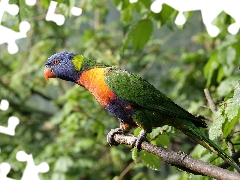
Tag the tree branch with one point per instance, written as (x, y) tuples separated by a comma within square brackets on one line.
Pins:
[(181, 160), (214, 110), (210, 101)]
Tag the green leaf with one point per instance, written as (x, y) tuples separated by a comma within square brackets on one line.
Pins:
[(164, 140), (226, 57), (186, 176), (198, 151), (216, 127), (25, 11), (127, 10), (232, 112), (160, 135), (236, 95), (142, 33), (227, 85), (231, 55), (126, 4), (229, 95), (63, 163), (156, 132), (116, 3), (229, 41), (83, 144), (210, 68), (150, 160), (127, 15), (136, 131), (126, 41), (58, 176), (146, 3), (229, 125), (134, 154), (231, 109), (220, 75), (164, 15)]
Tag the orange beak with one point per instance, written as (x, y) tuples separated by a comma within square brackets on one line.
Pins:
[(48, 73)]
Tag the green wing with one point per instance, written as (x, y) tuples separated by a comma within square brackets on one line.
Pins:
[(137, 91)]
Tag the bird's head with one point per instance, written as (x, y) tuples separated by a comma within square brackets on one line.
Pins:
[(63, 65)]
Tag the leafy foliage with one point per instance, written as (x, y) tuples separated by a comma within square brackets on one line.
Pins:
[(150, 160), (227, 116), (139, 41), (236, 95), (62, 124)]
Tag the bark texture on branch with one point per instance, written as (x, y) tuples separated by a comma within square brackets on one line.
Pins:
[(210, 101), (182, 160)]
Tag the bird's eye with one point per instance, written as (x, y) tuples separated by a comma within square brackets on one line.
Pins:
[(56, 61)]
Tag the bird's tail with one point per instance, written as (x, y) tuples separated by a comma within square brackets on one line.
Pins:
[(197, 135)]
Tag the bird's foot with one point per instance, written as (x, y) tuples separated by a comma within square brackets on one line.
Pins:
[(140, 138), (110, 136)]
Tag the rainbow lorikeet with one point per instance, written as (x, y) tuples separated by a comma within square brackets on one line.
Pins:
[(134, 101)]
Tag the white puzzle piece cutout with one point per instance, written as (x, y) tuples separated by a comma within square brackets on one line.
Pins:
[(12, 121), (4, 104), (51, 16), (76, 11), (133, 1), (4, 170), (210, 9), (10, 129), (31, 171), (59, 18), (7, 35), (30, 2), (12, 9)]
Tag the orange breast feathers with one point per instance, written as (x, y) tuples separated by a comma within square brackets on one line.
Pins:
[(93, 80)]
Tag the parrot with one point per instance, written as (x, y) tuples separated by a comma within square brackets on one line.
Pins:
[(133, 100)]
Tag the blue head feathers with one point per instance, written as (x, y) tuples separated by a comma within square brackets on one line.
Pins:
[(60, 65)]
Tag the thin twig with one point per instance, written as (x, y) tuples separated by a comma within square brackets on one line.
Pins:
[(210, 101), (126, 170), (205, 117), (206, 107), (230, 147), (214, 110)]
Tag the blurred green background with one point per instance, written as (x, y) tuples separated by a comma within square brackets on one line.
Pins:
[(62, 124)]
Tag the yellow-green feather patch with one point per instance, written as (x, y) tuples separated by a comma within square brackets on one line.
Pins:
[(77, 62)]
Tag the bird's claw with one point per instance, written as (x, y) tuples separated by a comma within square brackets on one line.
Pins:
[(110, 136), (140, 138), (137, 143)]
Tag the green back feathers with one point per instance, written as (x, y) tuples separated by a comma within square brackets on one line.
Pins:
[(136, 91), (84, 64)]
